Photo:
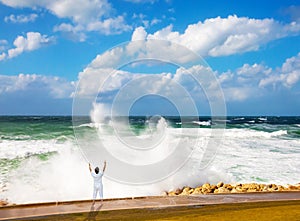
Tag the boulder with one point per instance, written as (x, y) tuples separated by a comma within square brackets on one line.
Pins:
[(206, 188), (197, 190), (3, 203), (236, 190), (228, 186), (191, 191), (220, 184), (261, 187), (292, 188), (185, 191), (172, 193), (222, 190), (178, 191), (165, 193), (213, 187)]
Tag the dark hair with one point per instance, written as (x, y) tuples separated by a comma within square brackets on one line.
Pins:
[(97, 170)]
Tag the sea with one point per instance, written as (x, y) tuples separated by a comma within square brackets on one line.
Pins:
[(41, 161)]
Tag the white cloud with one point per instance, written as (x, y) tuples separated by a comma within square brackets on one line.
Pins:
[(155, 21), (72, 32), (288, 75), (85, 15), (3, 45), (246, 82), (226, 36), (2, 56), (141, 20), (21, 18), (238, 93), (56, 87), (32, 41), (251, 70), (139, 34), (109, 26)]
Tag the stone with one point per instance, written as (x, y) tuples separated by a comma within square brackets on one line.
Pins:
[(235, 190), (280, 188), (178, 191), (261, 187), (222, 190), (165, 193), (185, 191), (238, 189), (291, 187), (220, 184), (191, 191), (206, 188), (228, 186), (197, 190), (172, 193), (3, 203)]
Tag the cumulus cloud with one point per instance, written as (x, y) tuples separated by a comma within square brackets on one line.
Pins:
[(287, 75), (246, 82), (226, 36), (56, 87), (139, 34), (21, 18), (85, 15), (32, 41)]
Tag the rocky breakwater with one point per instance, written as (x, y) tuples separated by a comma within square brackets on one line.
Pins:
[(3, 203), (232, 188)]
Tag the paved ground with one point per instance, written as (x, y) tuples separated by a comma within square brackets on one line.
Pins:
[(46, 209)]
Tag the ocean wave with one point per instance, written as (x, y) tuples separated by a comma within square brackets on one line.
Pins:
[(248, 133), (15, 137), (239, 118), (203, 123), (262, 118), (25, 148)]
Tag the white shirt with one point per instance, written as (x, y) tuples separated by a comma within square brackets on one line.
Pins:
[(97, 178)]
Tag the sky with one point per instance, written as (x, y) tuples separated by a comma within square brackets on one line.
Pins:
[(47, 47)]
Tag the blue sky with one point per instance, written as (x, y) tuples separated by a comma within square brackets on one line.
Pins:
[(252, 47)]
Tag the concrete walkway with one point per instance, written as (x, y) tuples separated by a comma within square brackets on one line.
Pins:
[(46, 209)]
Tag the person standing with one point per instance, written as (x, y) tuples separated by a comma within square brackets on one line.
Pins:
[(97, 176)]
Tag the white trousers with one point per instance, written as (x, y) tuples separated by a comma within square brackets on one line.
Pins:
[(97, 189)]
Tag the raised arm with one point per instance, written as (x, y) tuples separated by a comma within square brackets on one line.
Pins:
[(90, 168), (104, 167)]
